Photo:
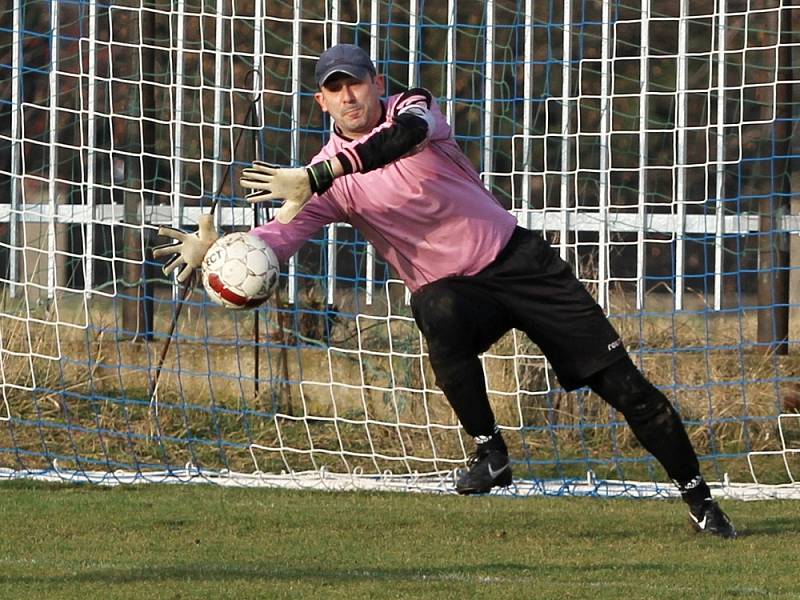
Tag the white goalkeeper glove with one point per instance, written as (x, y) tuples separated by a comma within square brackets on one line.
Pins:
[(293, 186), (190, 249)]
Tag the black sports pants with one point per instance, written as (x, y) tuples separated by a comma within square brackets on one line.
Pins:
[(530, 288)]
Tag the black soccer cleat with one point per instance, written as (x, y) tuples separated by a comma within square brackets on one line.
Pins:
[(487, 467), (709, 518)]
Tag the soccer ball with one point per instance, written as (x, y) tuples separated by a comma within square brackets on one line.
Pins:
[(240, 271)]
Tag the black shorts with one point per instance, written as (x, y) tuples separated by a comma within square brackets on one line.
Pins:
[(530, 288)]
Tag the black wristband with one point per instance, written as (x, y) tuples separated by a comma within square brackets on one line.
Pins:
[(321, 176)]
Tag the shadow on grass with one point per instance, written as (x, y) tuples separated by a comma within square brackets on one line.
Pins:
[(266, 572), (63, 487), (769, 526)]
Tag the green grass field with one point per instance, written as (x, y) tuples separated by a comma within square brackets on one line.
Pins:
[(198, 541)]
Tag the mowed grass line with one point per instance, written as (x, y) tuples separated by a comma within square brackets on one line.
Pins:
[(159, 541)]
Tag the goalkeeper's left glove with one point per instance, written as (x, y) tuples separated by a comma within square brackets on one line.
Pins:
[(190, 249), (293, 186)]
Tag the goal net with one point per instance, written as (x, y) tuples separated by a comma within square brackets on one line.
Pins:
[(654, 149)]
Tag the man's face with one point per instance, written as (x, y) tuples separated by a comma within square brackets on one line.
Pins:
[(355, 104)]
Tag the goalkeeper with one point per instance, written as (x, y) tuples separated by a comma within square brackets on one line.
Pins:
[(393, 170)]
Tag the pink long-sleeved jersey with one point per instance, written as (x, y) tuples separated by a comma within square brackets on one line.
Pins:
[(427, 213)]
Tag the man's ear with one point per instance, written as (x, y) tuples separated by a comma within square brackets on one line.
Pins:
[(380, 81), (321, 101)]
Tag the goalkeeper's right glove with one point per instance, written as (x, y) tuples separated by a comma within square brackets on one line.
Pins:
[(190, 249), (293, 186)]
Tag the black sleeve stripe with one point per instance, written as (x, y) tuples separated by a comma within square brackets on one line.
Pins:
[(345, 161), (353, 157), (413, 96), (418, 99)]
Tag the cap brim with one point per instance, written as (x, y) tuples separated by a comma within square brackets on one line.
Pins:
[(352, 70)]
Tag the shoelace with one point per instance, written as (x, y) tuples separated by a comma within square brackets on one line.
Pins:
[(478, 454)]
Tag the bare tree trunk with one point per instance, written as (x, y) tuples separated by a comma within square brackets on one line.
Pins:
[(773, 251), (136, 319)]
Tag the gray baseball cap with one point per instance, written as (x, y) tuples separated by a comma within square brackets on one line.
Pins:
[(343, 58)]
